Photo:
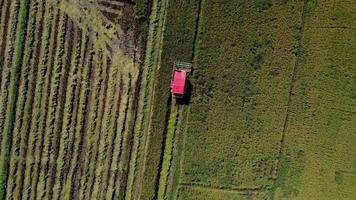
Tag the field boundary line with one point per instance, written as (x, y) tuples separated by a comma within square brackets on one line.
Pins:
[(291, 93), (220, 188), (333, 27)]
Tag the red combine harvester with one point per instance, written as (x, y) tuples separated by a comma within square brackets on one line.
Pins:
[(179, 80)]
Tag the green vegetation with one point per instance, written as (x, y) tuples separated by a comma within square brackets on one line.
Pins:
[(316, 161), (241, 85), (140, 133), (141, 10), (86, 112), (262, 120), (167, 154), (160, 104), (200, 193)]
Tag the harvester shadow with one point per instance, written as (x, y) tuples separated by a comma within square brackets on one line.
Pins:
[(186, 99)]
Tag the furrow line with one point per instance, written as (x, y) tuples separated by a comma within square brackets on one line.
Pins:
[(66, 57), (40, 103), (69, 114), (98, 131), (52, 110), (7, 63), (93, 116), (118, 141), (291, 91)]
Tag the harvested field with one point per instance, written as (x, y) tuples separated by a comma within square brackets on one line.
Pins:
[(68, 91)]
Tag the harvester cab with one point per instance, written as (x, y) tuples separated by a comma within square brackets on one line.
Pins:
[(180, 73)]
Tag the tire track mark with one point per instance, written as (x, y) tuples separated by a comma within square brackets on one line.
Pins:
[(291, 93)]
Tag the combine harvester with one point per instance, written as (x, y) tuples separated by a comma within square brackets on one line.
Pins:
[(180, 73)]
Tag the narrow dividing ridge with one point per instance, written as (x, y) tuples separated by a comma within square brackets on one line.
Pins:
[(291, 91)]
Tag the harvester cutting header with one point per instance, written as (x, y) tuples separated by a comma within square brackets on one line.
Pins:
[(180, 73)]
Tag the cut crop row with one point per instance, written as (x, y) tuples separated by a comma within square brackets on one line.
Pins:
[(55, 107), (96, 105), (65, 58), (16, 63), (4, 16), (118, 140), (69, 114), (105, 120), (142, 111), (68, 187), (116, 80), (167, 153), (121, 170), (130, 136), (47, 47), (133, 186), (7, 64), (24, 102)]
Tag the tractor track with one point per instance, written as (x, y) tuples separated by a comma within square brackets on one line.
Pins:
[(180, 117), (222, 188), (292, 89)]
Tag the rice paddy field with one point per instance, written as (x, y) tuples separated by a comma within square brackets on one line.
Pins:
[(272, 109), (86, 111)]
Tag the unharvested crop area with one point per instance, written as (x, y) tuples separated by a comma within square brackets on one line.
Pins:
[(272, 111)]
